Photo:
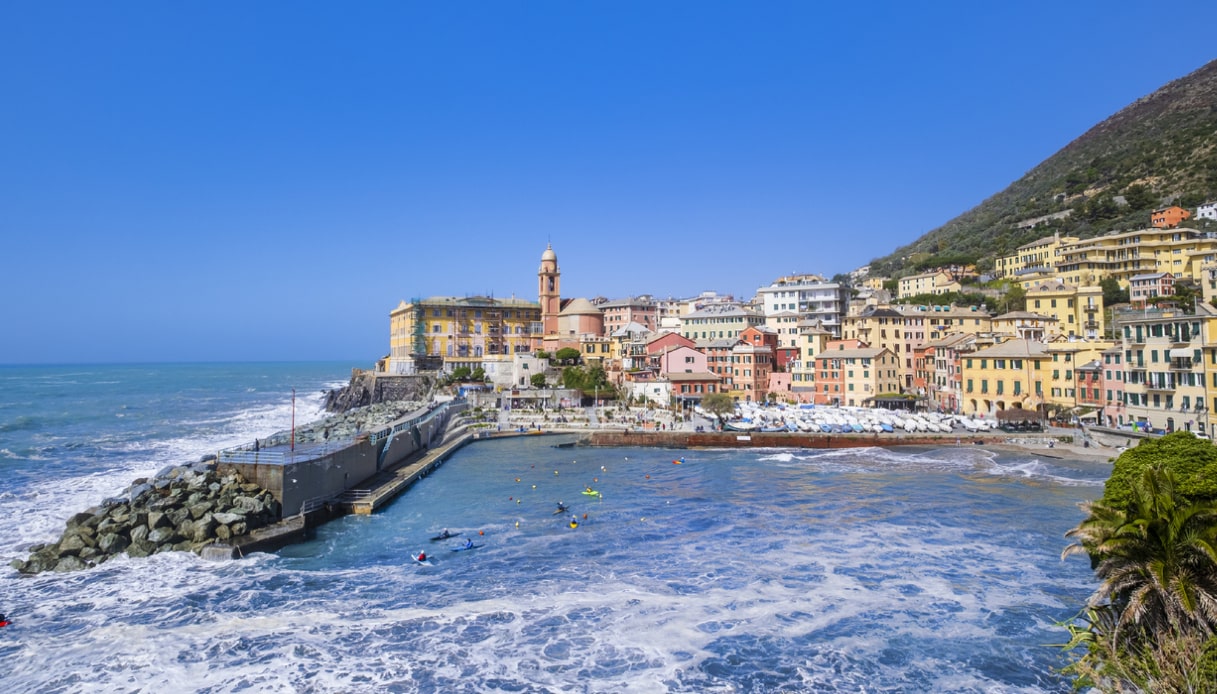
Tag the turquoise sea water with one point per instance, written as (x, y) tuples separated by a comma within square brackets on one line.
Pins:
[(876, 570)]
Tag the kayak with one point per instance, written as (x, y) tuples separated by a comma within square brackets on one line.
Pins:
[(426, 561), (463, 547), (574, 524), (562, 510), (449, 536), (591, 492)]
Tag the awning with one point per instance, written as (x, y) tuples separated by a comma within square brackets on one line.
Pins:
[(1181, 353)]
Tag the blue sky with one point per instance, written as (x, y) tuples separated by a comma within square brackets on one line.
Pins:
[(265, 181)]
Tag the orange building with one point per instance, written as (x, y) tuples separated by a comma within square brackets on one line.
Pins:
[(1168, 217)]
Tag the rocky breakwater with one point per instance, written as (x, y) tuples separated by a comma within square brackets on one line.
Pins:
[(183, 508), (371, 388)]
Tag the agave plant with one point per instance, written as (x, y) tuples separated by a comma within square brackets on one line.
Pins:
[(1156, 560)]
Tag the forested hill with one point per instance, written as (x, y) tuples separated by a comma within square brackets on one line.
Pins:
[(1161, 149)]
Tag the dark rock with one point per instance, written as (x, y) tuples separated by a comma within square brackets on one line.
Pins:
[(200, 509), (112, 543), (162, 536), (71, 544), (70, 563), (139, 533), (158, 519), (140, 548)]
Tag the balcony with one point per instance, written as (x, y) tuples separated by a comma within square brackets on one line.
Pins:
[(1182, 365), (1165, 384)]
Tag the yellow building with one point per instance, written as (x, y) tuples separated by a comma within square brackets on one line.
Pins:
[(813, 339), (867, 373), (601, 351), (1024, 325), (1064, 357), (875, 283), (1122, 255), (937, 282), (1043, 254), (1012, 374), (460, 330), (1078, 310)]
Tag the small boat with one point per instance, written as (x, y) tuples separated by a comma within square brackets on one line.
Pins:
[(568, 444)]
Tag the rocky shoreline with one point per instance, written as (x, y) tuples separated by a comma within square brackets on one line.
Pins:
[(188, 507), (182, 508)]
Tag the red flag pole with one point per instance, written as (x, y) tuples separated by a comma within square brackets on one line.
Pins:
[(293, 420)]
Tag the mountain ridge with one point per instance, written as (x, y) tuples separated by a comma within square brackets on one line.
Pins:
[(1162, 147)]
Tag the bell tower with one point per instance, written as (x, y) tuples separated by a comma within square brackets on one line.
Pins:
[(549, 290)]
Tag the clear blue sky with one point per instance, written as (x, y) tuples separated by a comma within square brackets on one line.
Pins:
[(265, 181)]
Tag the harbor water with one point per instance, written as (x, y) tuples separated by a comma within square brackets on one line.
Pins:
[(856, 570)]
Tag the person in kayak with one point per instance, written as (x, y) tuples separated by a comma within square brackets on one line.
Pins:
[(561, 508), (468, 543), (422, 556), (444, 534), (3, 621)]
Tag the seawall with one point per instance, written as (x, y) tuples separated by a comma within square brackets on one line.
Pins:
[(732, 439)]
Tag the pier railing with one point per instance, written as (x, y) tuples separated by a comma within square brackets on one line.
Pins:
[(251, 454)]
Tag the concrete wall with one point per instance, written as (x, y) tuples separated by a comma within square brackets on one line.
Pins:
[(329, 475)]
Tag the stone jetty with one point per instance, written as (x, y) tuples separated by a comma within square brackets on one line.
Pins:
[(183, 508), (189, 507)]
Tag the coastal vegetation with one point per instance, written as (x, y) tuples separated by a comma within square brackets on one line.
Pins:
[(1152, 542), (718, 404)]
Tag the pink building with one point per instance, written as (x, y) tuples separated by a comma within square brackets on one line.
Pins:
[(1142, 287), (1112, 385), (681, 360)]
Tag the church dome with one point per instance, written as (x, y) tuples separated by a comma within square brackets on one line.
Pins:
[(549, 253), (580, 307)]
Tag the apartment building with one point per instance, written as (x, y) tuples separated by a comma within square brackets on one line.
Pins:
[(936, 282), (1123, 255), (809, 296), (719, 321), (1164, 365), (1041, 254), (1012, 374), (1078, 311), (460, 330)]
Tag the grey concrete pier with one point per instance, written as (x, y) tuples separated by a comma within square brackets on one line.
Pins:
[(371, 494)]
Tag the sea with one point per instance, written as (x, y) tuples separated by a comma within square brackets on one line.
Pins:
[(766, 570)]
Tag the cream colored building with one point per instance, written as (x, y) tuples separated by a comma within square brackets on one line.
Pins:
[(1042, 254), (1064, 357), (1123, 255), (1078, 310), (937, 282)]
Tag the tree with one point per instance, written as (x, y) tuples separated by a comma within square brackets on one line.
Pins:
[(537, 380), (1192, 461), (1187, 294), (1112, 294), (479, 375), (719, 404), (1156, 559), (461, 373), (567, 354), (1015, 298)]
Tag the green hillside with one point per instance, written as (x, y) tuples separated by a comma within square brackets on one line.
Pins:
[(1160, 149)]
